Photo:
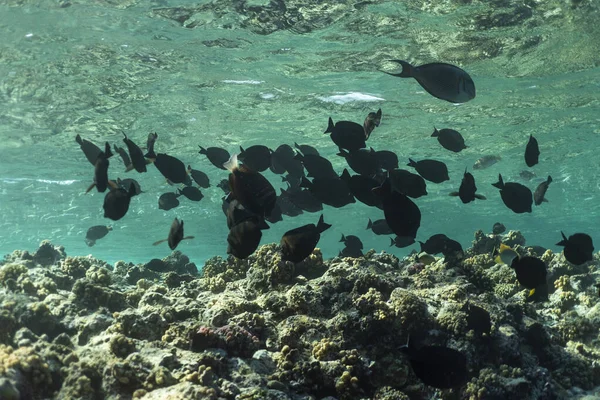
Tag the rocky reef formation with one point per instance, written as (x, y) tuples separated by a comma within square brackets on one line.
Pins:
[(262, 328)]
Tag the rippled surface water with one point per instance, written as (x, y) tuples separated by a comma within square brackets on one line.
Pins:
[(96, 69)]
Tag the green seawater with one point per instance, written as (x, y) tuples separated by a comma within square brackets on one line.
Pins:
[(225, 77)]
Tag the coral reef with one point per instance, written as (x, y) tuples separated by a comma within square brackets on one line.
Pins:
[(263, 328)]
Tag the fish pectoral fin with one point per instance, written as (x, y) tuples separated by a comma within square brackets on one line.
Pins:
[(480, 197), (188, 237), (159, 242), (454, 194), (93, 185)]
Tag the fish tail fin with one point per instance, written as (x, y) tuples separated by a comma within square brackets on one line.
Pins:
[(411, 163), (241, 149), (90, 188), (305, 183), (378, 115), (78, 139), (232, 163), (480, 197), (564, 240), (392, 242), (345, 175), (321, 225), (435, 133), (330, 126), (369, 224), (407, 69), (107, 151), (500, 183), (549, 180), (343, 239), (202, 150)]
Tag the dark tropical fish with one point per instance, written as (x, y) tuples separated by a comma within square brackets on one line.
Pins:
[(101, 181), (372, 121), (527, 175), (531, 272), (347, 135), (532, 152), (251, 188), (138, 162), (90, 150), (486, 161), (578, 248), (350, 252), (224, 185), (467, 191), (96, 233), (435, 244), (444, 81), (216, 155), (317, 166), (432, 170), (362, 161), (116, 203), (450, 139), (453, 249), (539, 196), (168, 201), (199, 177), (276, 214), (306, 149), (287, 206), (437, 366), (175, 235), (152, 136), (170, 167), (352, 241), (256, 157), (243, 239), (539, 250), (504, 254), (402, 215), (304, 199), (334, 192), (515, 196), (379, 227), (402, 241), (406, 182), (282, 160), (299, 243), (124, 156), (388, 160), (192, 193), (478, 319), (498, 228), (361, 187), (126, 183)]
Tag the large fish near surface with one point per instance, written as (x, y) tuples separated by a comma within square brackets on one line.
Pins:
[(444, 81)]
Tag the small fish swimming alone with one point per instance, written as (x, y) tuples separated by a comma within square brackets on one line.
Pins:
[(90, 150), (515, 196), (116, 203), (449, 139), (486, 161), (372, 121), (467, 190), (299, 243), (175, 235), (532, 152), (95, 233), (431, 170), (444, 81), (539, 196), (138, 162), (578, 248)]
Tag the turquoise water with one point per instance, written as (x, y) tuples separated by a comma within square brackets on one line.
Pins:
[(101, 67)]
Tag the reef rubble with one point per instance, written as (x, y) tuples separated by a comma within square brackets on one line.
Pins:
[(263, 328)]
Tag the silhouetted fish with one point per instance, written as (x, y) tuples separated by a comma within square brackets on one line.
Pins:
[(126, 183), (124, 156), (175, 235), (578, 248), (168, 201), (216, 155), (467, 190), (372, 121), (171, 168), (116, 203), (406, 182), (138, 162), (257, 157), (199, 177), (531, 272), (435, 244), (346, 134), (251, 188), (152, 137), (388, 160), (101, 181), (450, 139), (362, 161), (299, 243), (283, 160), (361, 187), (243, 239), (352, 241), (514, 195), (432, 170), (532, 152), (438, 366), (402, 241), (444, 81), (540, 191), (331, 191), (379, 227), (402, 215), (306, 149), (317, 166), (191, 193), (95, 233), (90, 150)]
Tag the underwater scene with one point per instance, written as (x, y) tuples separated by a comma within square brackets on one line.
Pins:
[(299, 199)]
